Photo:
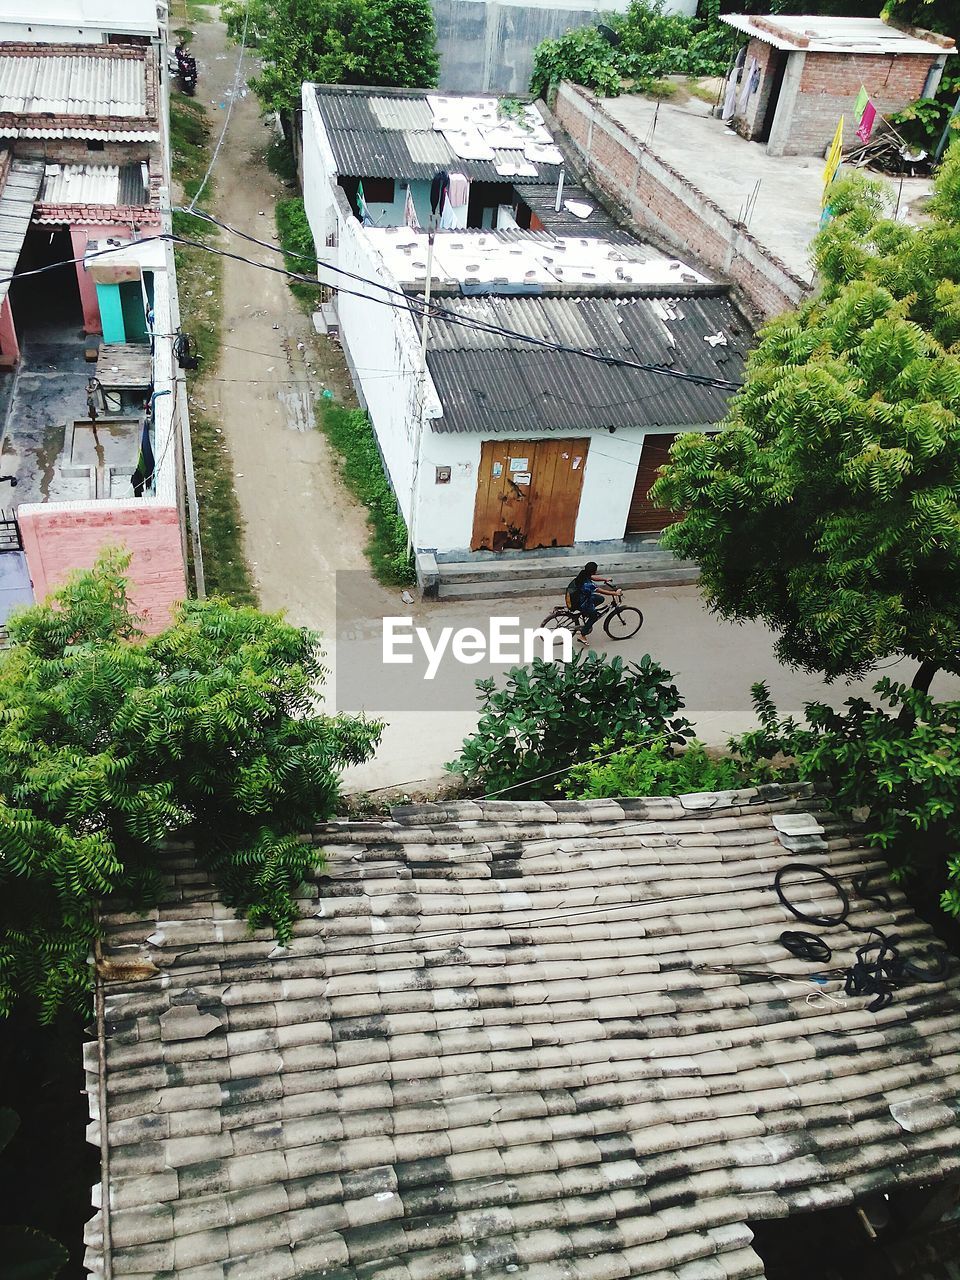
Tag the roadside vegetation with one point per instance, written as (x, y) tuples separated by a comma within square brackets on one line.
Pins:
[(299, 254), (350, 434), (117, 742), (199, 282)]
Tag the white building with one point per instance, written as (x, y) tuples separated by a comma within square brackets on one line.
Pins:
[(83, 21), (498, 434)]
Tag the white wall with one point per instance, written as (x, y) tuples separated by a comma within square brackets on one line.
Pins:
[(382, 344), (446, 510), (319, 178), (78, 21)]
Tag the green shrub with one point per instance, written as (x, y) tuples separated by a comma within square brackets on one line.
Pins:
[(361, 468), (550, 716), (653, 769), (649, 44), (898, 774), (299, 253)]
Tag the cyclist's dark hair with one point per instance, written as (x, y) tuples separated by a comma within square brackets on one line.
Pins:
[(588, 570)]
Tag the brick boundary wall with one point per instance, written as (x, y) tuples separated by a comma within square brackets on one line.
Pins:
[(661, 199)]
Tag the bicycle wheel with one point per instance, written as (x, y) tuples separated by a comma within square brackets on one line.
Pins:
[(561, 620), (623, 622)]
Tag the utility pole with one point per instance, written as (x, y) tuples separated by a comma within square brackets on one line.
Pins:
[(422, 382)]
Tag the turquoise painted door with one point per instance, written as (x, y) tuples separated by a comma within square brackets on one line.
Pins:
[(111, 312), (134, 318)]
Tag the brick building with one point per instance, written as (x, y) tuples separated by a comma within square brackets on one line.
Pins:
[(798, 75)]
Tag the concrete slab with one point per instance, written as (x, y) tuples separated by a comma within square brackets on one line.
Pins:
[(785, 213)]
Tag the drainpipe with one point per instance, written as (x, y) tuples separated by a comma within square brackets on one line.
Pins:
[(946, 130)]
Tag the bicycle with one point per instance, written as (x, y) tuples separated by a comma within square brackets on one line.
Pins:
[(620, 621)]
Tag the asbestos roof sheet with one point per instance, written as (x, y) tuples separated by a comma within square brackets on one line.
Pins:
[(16, 208), (377, 134), (491, 382), (503, 1043), (71, 85), (836, 35), (542, 201), (103, 184)]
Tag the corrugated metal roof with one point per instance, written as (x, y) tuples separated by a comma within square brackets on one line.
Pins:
[(374, 134), (541, 200), (98, 133), (16, 207), (72, 85), (106, 184), (835, 35), (489, 382)]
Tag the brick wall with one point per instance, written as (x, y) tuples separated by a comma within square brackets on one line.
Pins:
[(749, 122), (59, 537), (76, 151), (829, 85), (659, 198)]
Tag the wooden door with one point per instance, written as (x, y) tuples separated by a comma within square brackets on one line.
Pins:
[(528, 493), (645, 516)]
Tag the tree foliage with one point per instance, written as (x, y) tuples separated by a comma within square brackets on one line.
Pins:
[(549, 716), (371, 42), (647, 44), (828, 504), (652, 769), (898, 776), (111, 743)]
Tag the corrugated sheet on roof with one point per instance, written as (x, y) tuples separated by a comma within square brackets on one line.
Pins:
[(106, 184), (377, 135), (516, 1041), (72, 85), (490, 382), (16, 207), (541, 200), (97, 133)]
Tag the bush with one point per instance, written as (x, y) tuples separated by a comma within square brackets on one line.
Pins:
[(898, 774), (361, 468), (550, 716), (112, 742), (647, 45), (299, 252), (653, 769)]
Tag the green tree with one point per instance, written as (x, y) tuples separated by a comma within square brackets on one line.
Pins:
[(111, 743), (550, 715), (370, 42), (828, 504)]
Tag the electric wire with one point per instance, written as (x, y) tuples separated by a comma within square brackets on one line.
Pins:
[(226, 122), (414, 306)]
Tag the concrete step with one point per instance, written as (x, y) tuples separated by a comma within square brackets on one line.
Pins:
[(507, 585), (615, 567)]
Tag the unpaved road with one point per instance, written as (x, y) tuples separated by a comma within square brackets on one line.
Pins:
[(300, 524)]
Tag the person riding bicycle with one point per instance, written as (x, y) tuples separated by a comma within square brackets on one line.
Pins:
[(583, 595)]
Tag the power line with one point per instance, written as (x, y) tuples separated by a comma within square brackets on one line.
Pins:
[(411, 304), (233, 98)]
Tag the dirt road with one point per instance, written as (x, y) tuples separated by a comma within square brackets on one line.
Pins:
[(300, 524)]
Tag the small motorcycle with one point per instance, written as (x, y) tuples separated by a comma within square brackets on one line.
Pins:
[(186, 70)]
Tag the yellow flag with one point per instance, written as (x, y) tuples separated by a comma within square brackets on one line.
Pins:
[(834, 156)]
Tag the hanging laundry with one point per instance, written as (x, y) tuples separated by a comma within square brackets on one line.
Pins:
[(867, 121), (860, 105), (458, 198), (730, 98), (745, 91), (410, 212), (143, 474), (439, 190)]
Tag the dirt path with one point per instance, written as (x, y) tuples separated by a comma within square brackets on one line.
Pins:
[(300, 523)]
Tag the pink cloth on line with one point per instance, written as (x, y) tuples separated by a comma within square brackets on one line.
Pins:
[(459, 190), (867, 122)]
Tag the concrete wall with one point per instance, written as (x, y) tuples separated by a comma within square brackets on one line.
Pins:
[(59, 537), (318, 170), (487, 46), (659, 198)]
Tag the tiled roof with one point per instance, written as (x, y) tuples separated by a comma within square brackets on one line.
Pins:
[(503, 1043), (383, 133), (488, 382)]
